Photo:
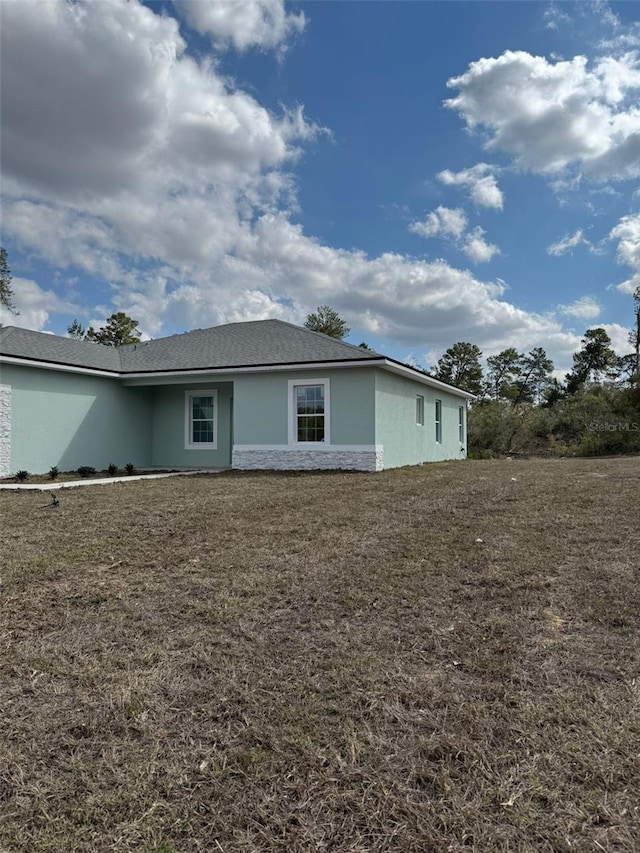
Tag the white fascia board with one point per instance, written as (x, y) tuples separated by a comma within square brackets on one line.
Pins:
[(66, 368), (312, 448), (270, 368)]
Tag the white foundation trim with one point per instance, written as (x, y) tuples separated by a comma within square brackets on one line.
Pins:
[(316, 448)]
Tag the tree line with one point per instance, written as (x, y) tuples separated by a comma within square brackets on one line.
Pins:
[(516, 377), (521, 407)]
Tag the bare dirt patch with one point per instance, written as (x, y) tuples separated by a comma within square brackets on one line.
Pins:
[(442, 658)]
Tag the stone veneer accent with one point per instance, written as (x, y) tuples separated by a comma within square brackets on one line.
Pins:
[(5, 429), (282, 458)]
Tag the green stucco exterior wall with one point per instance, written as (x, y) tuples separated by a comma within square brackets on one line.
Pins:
[(168, 432), (406, 442), (261, 406), (69, 420)]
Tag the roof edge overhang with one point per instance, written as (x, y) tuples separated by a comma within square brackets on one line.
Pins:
[(380, 361), (257, 368), (54, 365), (25, 361)]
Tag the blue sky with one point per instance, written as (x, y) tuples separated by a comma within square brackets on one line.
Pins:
[(436, 172)]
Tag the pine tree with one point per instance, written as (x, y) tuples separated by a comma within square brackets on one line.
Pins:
[(119, 330), (326, 320), (460, 366), (6, 291)]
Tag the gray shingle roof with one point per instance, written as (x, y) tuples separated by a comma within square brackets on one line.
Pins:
[(39, 346), (253, 344)]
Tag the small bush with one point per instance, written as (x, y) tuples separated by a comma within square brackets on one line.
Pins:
[(21, 476), (53, 472), (130, 468), (86, 471), (112, 469)]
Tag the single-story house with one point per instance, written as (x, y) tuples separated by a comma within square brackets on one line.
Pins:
[(255, 395)]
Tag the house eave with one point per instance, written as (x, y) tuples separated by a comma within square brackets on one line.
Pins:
[(254, 368), (53, 365), (141, 375)]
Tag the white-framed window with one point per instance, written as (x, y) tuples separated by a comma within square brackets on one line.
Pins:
[(439, 421), (420, 409), (309, 411), (201, 420), (461, 424)]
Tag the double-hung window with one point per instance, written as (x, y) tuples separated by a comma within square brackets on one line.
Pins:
[(420, 410), (309, 412), (201, 420), (439, 421)]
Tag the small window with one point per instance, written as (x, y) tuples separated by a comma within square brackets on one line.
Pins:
[(309, 412), (200, 420), (420, 410), (439, 421), (461, 424)]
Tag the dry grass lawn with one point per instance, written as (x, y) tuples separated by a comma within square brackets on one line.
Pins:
[(443, 658)]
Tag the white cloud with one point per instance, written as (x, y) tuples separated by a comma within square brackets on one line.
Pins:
[(619, 337), (477, 249), (627, 233), (451, 223), (623, 40), (410, 300), (242, 23), (551, 116), (606, 13), (124, 109), (585, 308), (443, 221), (568, 242), (34, 305), (126, 159), (481, 181), (554, 17), (132, 153)]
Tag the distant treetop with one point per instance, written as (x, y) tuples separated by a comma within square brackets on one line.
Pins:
[(6, 291), (119, 330), (326, 320)]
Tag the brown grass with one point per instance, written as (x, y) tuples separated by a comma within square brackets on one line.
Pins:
[(324, 662)]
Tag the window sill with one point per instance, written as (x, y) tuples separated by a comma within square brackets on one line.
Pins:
[(302, 444)]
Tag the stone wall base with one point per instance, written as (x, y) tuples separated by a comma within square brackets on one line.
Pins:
[(5, 429), (279, 458)]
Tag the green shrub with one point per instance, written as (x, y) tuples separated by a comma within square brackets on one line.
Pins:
[(53, 472), (112, 468), (130, 468), (86, 471), (21, 476), (610, 443), (599, 421)]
